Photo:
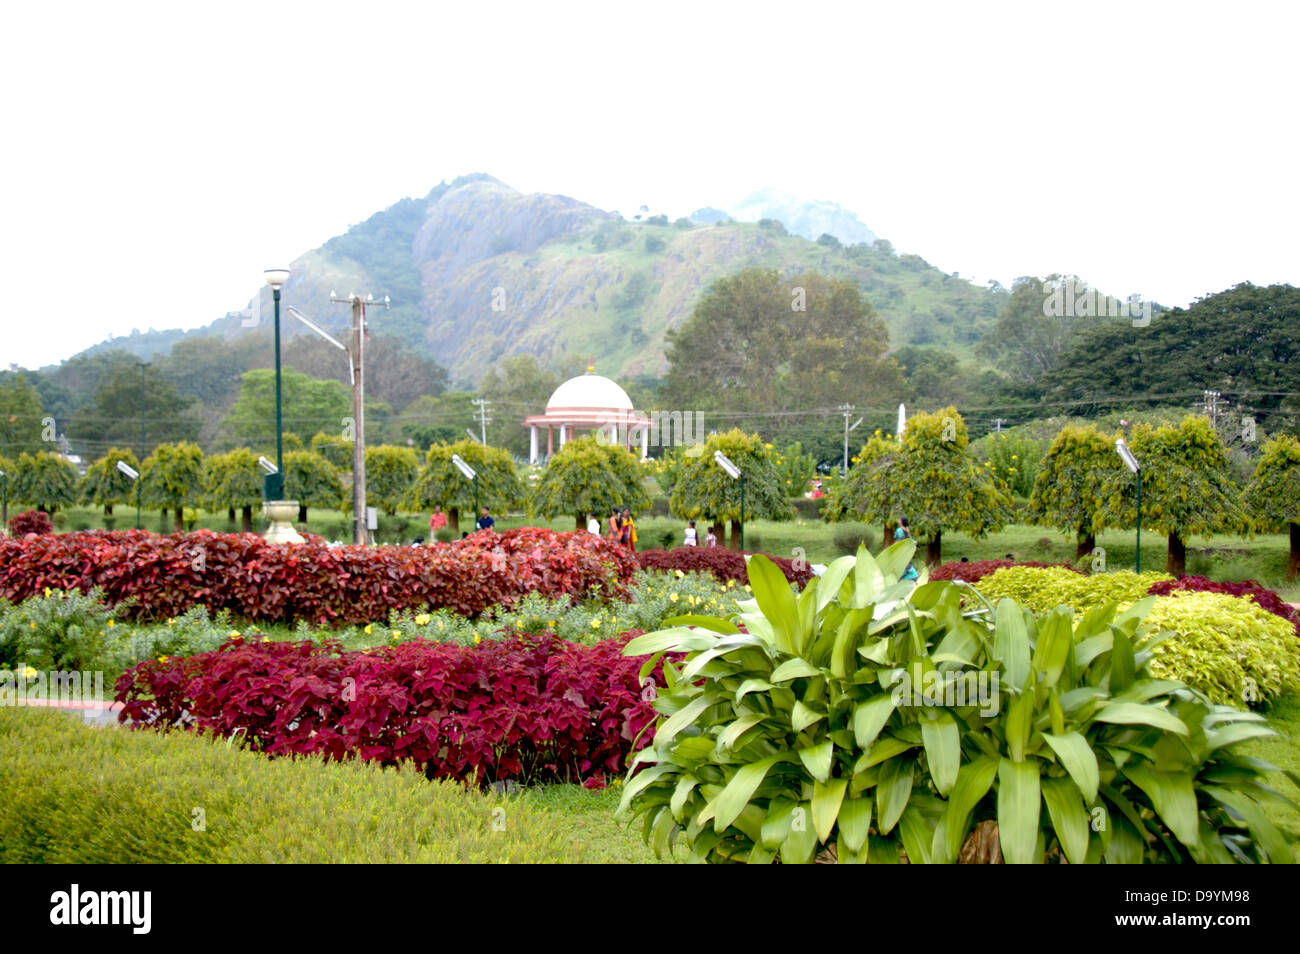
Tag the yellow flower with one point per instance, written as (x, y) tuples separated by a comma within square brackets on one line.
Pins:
[(163, 658), (33, 625), (266, 639), (478, 638), (595, 624), (111, 624), (422, 619), (672, 597), (747, 589), (550, 622), (47, 592), (234, 634), (29, 672), (519, 624), (679, 573), (1015, 457), (171, 621), (369, 629)]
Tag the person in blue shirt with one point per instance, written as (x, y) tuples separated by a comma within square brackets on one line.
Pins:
[(901, 532), (485, 521)]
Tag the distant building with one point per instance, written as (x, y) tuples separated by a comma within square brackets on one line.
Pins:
[(589, 402)]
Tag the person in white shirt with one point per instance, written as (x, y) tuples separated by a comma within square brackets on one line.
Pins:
[(691, 535), (593, 525)]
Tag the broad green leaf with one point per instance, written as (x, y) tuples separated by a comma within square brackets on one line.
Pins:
[(868, 581), (1055, 641), (1134, 713), (870, 717), (800, 846), (679, 639), (804, 716), (1122, 668), (1239, 732), (892, 792), (736, 795), (855, 821), (776, 601), (1011, 642), (739, 728), (751, 685), (1266, 834), (916, 835), (714, 623), (817, 760), (685, 785), (831, 581), (893, 560), (1173, 797), (1019, 724), (881, 750), (1019, 804), (683, 717), (1069, 818), (794, 669), (942, 750), (1076, 757), (973, 782), (826, 800)]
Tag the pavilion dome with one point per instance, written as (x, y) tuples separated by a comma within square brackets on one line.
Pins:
[(589, 391)]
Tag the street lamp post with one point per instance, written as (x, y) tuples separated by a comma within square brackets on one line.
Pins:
[(1131, 462), (4, 507), (276, 277), (470, 474), (734, 473), (130, 473)]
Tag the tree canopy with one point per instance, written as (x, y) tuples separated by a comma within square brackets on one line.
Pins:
[(173, 478), (1070, 490), (20, 417), (1272, 497), (588, 475), (391, 472), (440, 484), (104, 484), (703, 490), (46, 481), (137, 407)]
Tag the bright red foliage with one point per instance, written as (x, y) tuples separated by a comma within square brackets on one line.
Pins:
[(724, 564), (533, 708), (1264, 597), (30, 521), (311, 581)]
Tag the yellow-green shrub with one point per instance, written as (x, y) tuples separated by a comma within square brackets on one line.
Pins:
[(1226, 646), (75, 794), (1042, 589)]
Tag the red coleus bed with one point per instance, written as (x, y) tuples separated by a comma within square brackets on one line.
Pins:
[(530, 708), (311, 581), (724, 564)]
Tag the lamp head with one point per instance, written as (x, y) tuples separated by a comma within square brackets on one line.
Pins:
[(127, 470), (463, 467), (725, 463), (275, 277), (267, 466), (1126, 455)]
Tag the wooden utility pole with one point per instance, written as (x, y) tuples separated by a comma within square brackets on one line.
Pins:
[(356, 354)]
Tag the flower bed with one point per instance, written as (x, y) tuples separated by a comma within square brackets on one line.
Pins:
[(724, 564), (535, 708), (974, 571), (1263, 597), (242, 573)]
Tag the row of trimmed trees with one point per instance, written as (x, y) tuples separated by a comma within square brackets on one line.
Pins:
[(1082, 487)]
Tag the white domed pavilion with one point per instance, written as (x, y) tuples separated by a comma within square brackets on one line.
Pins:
[(589, 402)]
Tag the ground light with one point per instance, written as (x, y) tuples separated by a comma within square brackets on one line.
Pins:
[(1132, 464)]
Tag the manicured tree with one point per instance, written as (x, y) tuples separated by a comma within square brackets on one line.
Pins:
[(311, 480), (334, 449), (704, 491), (853, 487), (44, 480), (233, 480), (589, 475), (1069, 489), (932, 479), (173, 477), (1272, 498), (1187, 487), (391, 472), (105, 485), (441, 485)]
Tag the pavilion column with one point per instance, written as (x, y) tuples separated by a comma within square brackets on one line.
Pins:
[(563, 428), (550, 446), (532, 444)]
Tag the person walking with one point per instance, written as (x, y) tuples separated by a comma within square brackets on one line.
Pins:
[(593, 525), (903, 532), (627, 530), (691, 535), (615, 532), (712, 539)]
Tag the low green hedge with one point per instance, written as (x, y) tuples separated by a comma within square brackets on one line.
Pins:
[(1042, 589), (75, 794)]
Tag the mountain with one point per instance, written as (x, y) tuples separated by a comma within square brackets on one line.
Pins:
[(811, 220), (477, 271)]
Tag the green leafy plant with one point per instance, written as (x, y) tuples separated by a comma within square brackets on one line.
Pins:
[(56, 631), (789, 730), (1043, 588)]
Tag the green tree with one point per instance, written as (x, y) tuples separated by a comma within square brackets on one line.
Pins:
[(391, 472), (44, 480), (1028, 339), (334, 449), (105, 485), (129, 400), (704, 491), (932, 479), (233, 481), (792, 346), (439, 420), (589, 475), (307, 404), (1272, 497), (312, 480), (173, 478), (1070, 489), (441, 485), (845, 494), (1187, 487), (517, 386), (20, 417)]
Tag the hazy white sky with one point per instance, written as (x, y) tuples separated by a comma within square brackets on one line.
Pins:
[(160, 156)]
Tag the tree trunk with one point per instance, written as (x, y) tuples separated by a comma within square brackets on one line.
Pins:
[(1293, 566), (108, 510), (579, 524), (1176, 565), (230, 514), (1086, 543), (886, 537), (734, 540), (302, 513), (934, 549), (247, 515), (453, 521), (720, 532), (179, 522)]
